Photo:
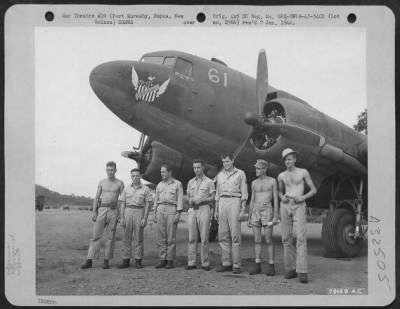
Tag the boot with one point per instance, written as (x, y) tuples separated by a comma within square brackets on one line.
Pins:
[(87, 264), (271, 270), (236, 270), (161, 264), (256, 269), (125, 263), (223, 268), (138, 264), (170, 265), (303, 277), (291, 274), (105, 264)]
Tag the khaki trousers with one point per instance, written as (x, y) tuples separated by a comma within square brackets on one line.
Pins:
[(229, 231), (166, 232), (133, 228), (105, 225), (198, 220), (294, 215)]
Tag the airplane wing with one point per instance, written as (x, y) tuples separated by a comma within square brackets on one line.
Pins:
[(310, 138)]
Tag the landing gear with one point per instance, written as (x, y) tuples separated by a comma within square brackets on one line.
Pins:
[(338, 234), (343, 229)]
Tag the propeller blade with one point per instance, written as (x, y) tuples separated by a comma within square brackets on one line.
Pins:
[(261, 93), (262, 80), (240, 148), (134, 155)]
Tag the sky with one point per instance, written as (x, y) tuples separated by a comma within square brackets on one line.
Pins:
[(75, 134)]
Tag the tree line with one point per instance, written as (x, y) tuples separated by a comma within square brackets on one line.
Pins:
[(53, 198)]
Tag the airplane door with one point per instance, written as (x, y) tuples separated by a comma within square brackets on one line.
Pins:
[(203, 99), (183, 72)]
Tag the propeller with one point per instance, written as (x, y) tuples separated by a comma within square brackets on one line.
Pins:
[(140, 154), (257, 125), (262, 80), (261, 93), (133, 155)]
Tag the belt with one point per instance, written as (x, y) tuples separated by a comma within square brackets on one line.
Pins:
[(230, 196), (167, 204), (134, 206), (198, 206), (109, 205)]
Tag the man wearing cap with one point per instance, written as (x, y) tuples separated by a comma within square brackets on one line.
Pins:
[(201, 193), (293, 213), (263, 214), (106, 216), (134, 212), (168, 203), (231, 197)]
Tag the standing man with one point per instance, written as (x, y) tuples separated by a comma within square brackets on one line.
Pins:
[(106, 216), (263, 213), (231, 197), (135, 208), (293, 212), (168, 203), (201, 193)]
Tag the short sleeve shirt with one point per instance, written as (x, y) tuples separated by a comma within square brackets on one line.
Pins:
[(170, 192), (200, 188), (137, 196), (232, 184)]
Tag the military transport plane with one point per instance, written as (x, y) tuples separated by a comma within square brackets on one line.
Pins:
[(189, 107)]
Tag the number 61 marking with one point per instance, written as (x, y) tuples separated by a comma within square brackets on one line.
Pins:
[(214, 77)]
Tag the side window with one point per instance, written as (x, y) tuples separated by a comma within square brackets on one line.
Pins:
[(152, 59), (169, 61), (184, 67)]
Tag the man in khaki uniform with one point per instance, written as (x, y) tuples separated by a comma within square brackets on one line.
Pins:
[(201, 193), (293, 214), (106, 217), (134, 212), (263, 213), (231, 197), (168, 203)]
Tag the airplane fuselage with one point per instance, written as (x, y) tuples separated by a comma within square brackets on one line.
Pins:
[(197, 106)]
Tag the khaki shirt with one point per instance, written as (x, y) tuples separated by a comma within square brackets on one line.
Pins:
[(232, 184), (170, 192), (200, 188), (137, 196)]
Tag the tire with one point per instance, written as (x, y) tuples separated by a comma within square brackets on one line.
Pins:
[(335, 235)]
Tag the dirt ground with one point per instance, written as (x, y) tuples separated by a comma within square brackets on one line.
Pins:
[(62, 239)]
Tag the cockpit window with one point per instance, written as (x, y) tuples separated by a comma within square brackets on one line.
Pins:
[(152, 59), (184, 67), (169, 61)]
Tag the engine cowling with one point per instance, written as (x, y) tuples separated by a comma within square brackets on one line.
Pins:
[(158, 154), (152, 155)]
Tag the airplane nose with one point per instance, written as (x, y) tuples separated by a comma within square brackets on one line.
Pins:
[(111, 75), (122, 84)]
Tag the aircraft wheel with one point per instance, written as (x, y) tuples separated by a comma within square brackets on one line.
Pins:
[(338, 234)]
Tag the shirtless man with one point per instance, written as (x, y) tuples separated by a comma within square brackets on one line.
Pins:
[(263, 214), (105, 217), (293, 213)]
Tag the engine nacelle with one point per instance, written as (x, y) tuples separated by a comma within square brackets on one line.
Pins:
[(159, 154)]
